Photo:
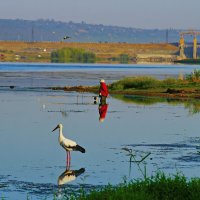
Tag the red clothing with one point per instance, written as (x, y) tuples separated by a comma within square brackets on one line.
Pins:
[(102, 111), (103, 90)]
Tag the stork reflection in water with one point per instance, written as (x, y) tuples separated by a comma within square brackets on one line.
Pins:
[(67, 144), (66, 177), (69, 175)]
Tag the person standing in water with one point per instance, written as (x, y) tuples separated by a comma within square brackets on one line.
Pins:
[(103, 91)]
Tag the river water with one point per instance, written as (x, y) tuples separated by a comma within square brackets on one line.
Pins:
[(160, 133), (40, 75)]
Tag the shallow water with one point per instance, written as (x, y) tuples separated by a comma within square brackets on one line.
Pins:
[(43, 75), (32, 161)]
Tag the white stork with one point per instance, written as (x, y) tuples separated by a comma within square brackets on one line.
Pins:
[(68, 144)]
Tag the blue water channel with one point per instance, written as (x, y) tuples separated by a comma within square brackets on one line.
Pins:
[(33, 163)]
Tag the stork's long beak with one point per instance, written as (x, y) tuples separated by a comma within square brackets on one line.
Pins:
[(55, 128)]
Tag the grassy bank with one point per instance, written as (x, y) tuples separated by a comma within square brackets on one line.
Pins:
[(184, 87), (155, 188), (181, 88), (144, 82)]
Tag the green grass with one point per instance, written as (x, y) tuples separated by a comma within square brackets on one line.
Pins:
[(135, 82), (159, 187), (145, 82)]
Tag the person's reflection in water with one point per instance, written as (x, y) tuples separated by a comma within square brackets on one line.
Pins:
[(103, 107)]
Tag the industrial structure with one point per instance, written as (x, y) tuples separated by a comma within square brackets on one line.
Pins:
[(182, 44)]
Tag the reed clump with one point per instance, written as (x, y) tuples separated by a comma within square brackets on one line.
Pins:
[(146, 82), (189, 81), (139, 82), (194, 76)]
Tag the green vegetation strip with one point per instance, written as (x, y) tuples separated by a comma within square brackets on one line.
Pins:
[(187, 86), (145, 82), (155, 188)]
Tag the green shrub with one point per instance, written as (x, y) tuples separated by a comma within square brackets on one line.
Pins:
[(193, 76), (67, 55), (140, 82), (124, 58), (172, 82), (145, 82)]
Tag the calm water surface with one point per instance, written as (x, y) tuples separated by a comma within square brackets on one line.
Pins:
[(42, 75), (32, 161)]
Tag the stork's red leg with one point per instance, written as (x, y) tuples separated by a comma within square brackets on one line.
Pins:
[(68, 159), (67, 163)]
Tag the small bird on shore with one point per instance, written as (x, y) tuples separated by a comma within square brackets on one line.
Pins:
[(67, 144)]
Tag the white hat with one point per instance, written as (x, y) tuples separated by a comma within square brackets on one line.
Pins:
[(102, 81)]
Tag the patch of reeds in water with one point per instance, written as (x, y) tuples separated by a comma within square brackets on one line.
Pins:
[(147, 82), (135, 82)]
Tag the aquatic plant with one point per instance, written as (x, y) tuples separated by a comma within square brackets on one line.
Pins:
[(140, 82), (193, 76), (133, 158), (192, 81), (181, 76), (171, 82), (192, 106), (145, 82)]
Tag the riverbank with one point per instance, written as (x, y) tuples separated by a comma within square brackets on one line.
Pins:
[(168, 88), (19, 51), (165, 93), (188, 61), (158, 187)]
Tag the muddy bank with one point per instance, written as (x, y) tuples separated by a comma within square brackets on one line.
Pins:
[(165, 93), (79, 88)]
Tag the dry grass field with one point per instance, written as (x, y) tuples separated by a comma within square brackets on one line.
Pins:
[(14, 51)]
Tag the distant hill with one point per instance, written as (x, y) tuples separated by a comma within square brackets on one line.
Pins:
[(50, 30)]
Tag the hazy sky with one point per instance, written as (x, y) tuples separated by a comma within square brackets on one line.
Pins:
[(183, 14)]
